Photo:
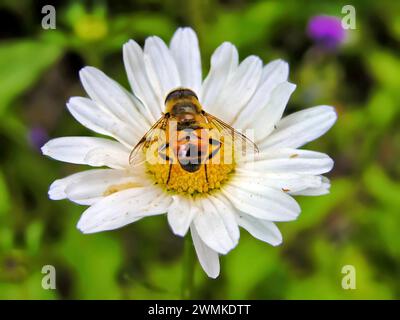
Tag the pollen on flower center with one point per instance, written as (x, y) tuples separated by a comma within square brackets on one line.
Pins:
[(174, 178), (190, 182)]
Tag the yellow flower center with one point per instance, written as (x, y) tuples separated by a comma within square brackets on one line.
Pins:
[(183, 181), (210, 175)]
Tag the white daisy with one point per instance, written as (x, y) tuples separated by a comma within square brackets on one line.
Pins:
[(246, 95)]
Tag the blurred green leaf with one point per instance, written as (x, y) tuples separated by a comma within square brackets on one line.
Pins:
[(4, 196), (162, 281), (21, 64), (259, 18), (326, 281), (34, 236), (93, 257), (378, 183), (385, 67), (250, 262), (315, 209), (383, 108), (29, 289), (144, 24)]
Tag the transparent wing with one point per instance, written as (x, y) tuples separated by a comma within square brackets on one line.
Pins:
[(237, 137), (152, 136)]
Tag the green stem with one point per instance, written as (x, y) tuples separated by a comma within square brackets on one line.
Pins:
[(188, 268)]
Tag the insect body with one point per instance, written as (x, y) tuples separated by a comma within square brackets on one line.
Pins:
[(191, 137), (191, 148)]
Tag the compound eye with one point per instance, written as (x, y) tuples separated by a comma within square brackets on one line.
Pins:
[(180, 93)]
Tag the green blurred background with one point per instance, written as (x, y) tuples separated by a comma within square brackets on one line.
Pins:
[(357, 224)]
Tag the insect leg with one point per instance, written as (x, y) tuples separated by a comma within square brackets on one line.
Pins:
[(169, 173), (214, 142), (163, 147), (212, 154), (164, 156)]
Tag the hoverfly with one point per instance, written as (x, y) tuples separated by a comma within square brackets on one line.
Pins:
[(188, 138)]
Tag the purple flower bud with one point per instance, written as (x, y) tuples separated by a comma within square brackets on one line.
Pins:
[(37, 137), (326, 31)]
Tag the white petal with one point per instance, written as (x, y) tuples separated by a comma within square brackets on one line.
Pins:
[(92, 183), (261, 229), (87, 187), (268, 203), (57, 188), (90, 188), (92, 116), (238, 89), (273, 74), (138, 79), (224, 62), (264, 121), (180, 214), (185, 50), (216, 225), (122, 208), (300, 128), (208, 258), (84, 150), (290, 161), (161, 67), (111, 96), (281, 181), (116, 158), (316, 191)]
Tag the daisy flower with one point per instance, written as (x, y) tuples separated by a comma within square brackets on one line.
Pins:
[(250, 194)]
